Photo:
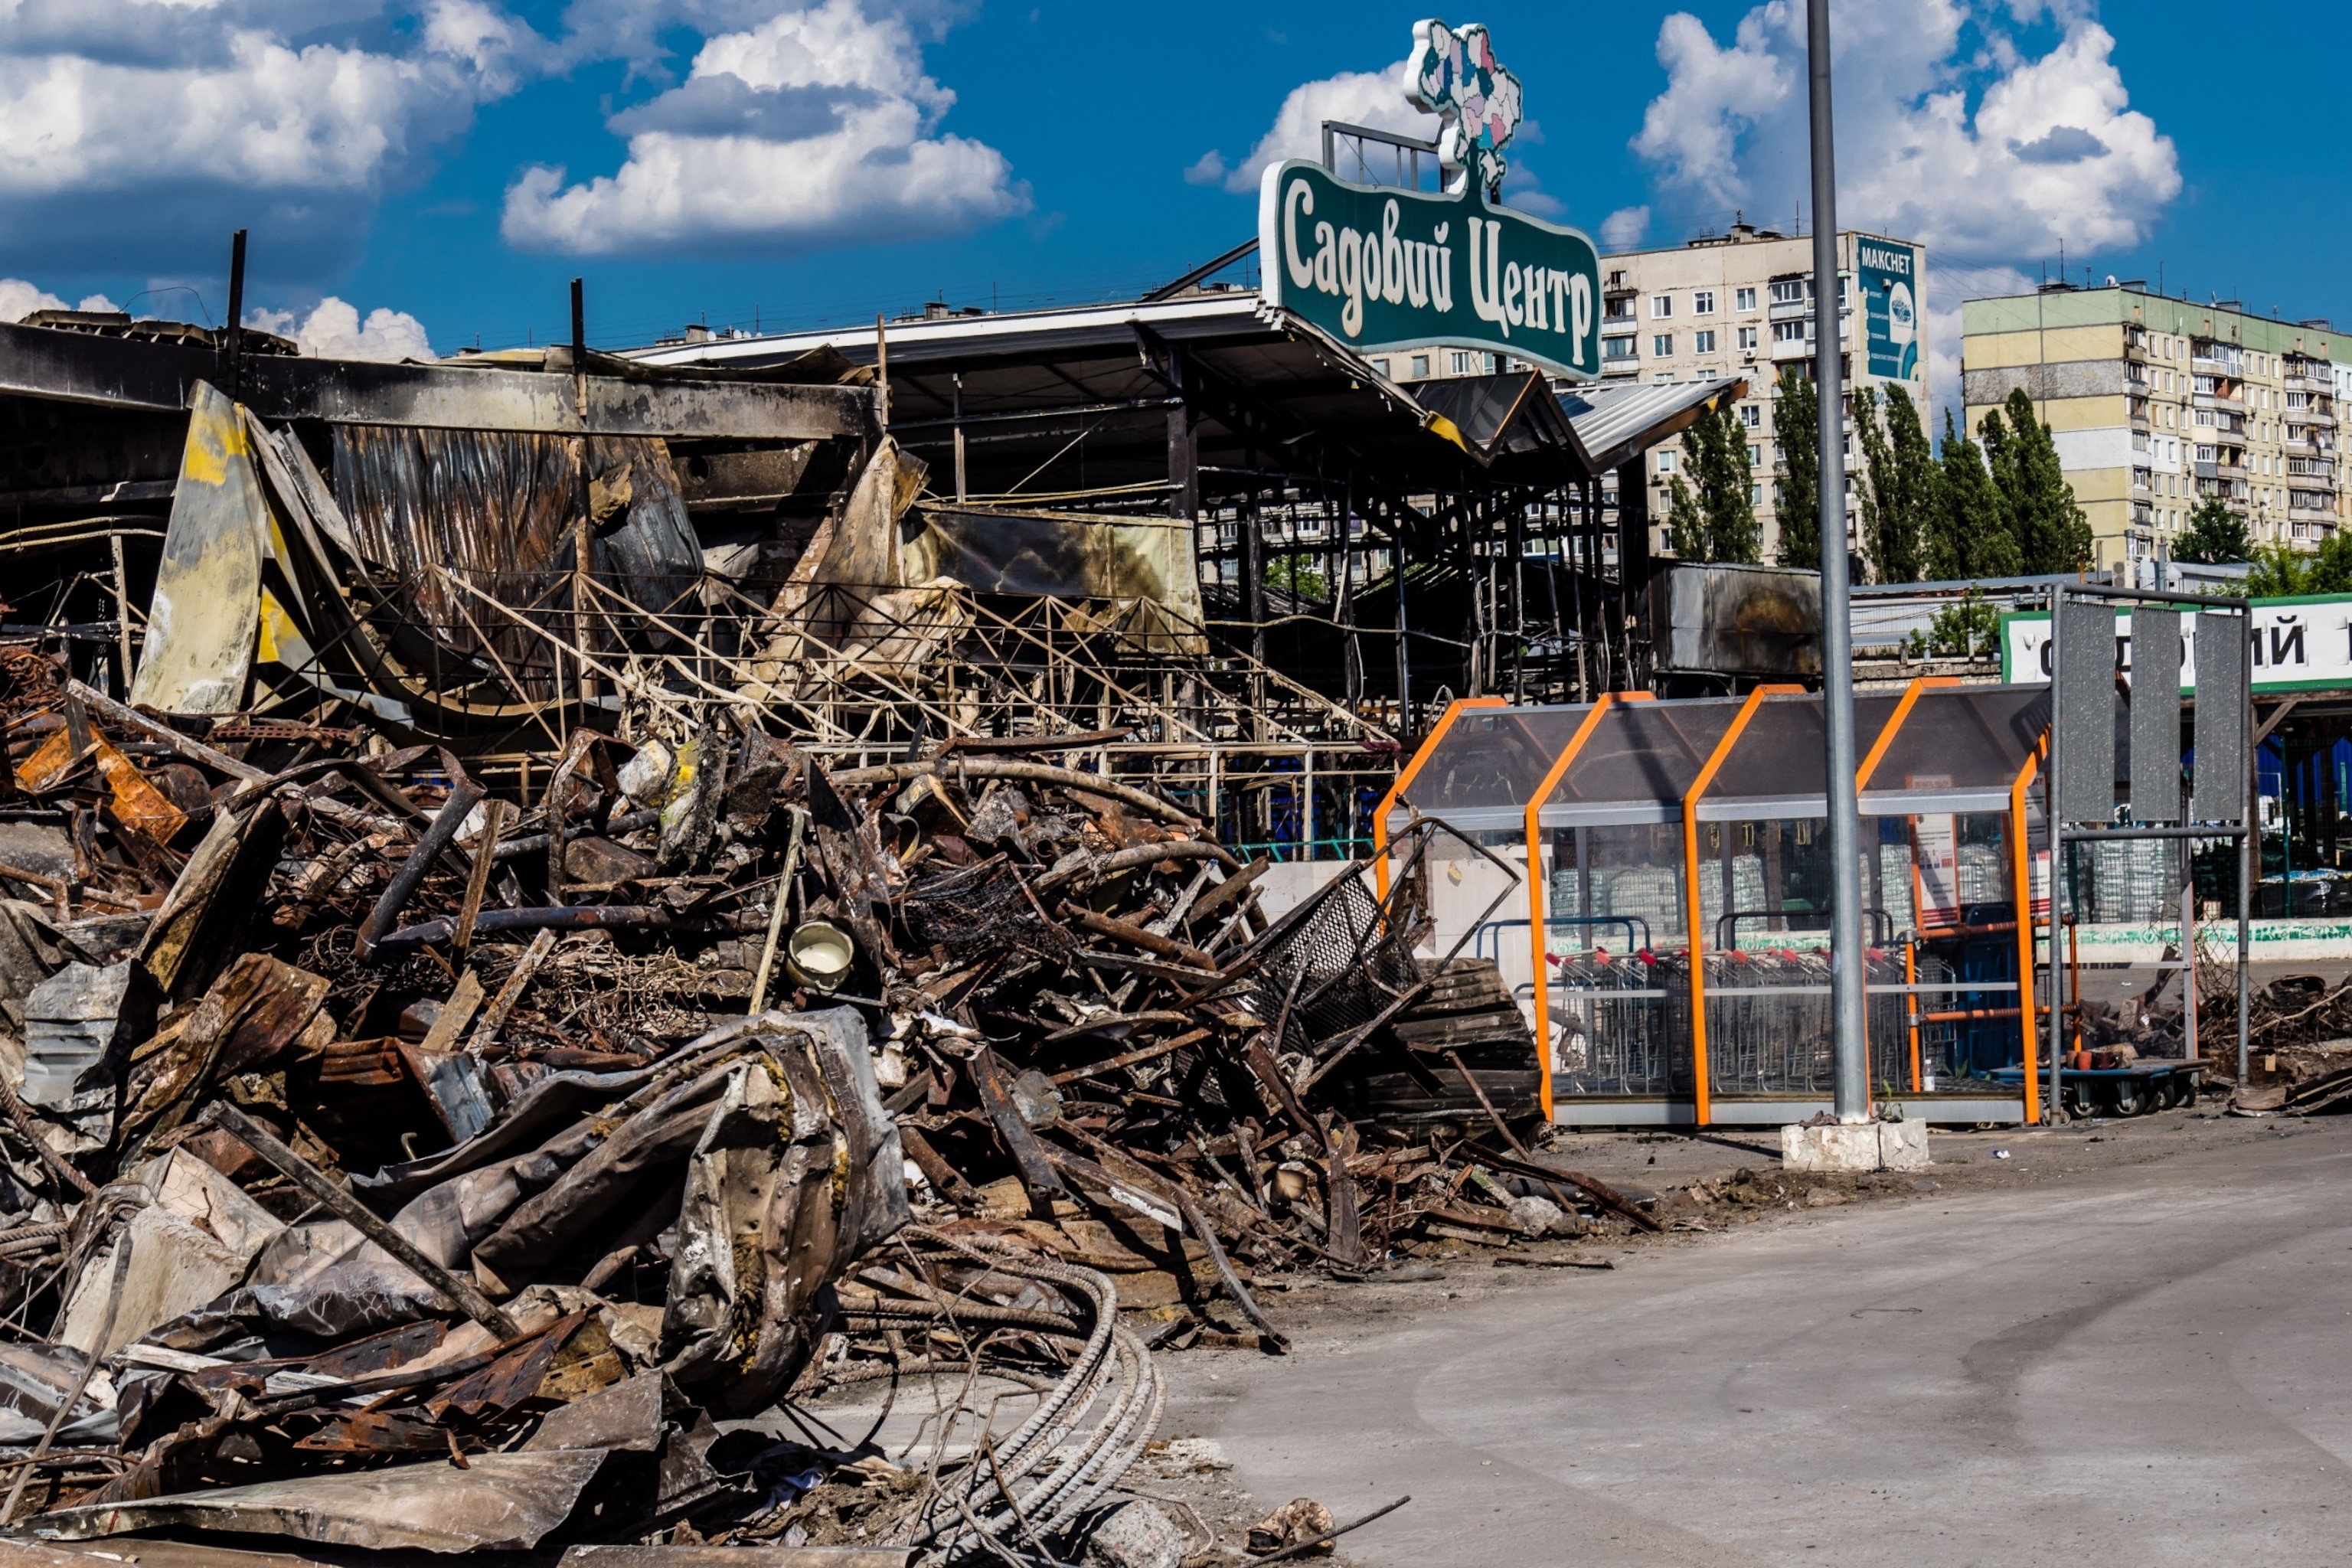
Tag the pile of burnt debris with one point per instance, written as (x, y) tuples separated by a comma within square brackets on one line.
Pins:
[(390, 1164)]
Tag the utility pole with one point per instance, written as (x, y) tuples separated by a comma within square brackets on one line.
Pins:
[(1850, 1019)]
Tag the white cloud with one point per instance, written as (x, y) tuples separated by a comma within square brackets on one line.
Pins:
[(1623, 229), (1206, 170), (2051, 153), (127, 126), (333, 331), (1375, 99), (19, 300), (818, 125)]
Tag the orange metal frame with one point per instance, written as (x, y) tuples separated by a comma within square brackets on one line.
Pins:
[(1703, 1103), (1539, 890), (1861, 782), (1879, 750), (2022, 881), (1454, 710)]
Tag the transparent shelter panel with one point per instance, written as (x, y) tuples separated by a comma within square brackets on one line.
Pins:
[(1966, 999), (1491, 757), (1766, 884), (1611, 1031)]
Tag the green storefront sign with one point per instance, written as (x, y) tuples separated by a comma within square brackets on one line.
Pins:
[(1380, 268)]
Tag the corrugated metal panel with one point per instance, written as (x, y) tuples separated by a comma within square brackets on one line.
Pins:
[(1610, 418), (498, 510)]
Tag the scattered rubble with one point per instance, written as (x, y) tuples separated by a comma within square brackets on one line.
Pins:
[(392, 1161)]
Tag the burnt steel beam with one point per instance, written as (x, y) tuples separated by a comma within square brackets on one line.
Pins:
[(1035, 415), (122, 373)]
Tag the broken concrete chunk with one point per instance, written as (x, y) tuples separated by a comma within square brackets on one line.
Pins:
[(183, 1184), (1133, 1535), (36, 847)]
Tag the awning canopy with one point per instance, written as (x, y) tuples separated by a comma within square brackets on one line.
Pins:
[(1267, 392)]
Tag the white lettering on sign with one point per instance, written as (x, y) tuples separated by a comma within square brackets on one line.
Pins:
[(1360, 265), (2293, 644), (1887, 259)]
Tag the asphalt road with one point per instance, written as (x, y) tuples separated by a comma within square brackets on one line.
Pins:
[(2148, 1365)]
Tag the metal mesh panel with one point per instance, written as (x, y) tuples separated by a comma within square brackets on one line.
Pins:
[(2156, 715), (2087, 711), (1336, 965), (2218, 792)]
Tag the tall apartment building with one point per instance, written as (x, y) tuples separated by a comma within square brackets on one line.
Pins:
[(1741, 304), (2155, 401)]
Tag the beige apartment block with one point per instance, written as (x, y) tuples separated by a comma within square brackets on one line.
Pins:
[(2155, 401), (1736, 305)]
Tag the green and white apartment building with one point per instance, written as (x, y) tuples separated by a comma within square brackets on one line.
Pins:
[(2156, 402)]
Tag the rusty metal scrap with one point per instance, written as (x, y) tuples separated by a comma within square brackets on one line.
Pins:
[(429, 1148)]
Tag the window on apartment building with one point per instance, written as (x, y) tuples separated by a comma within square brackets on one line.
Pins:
[(1708, 373), (1703, 303), (1755, 457), (1420, 365), (1665, 462), (1756, 495), (2208, 453), (1753, 416), (1661, 344), (1459, 362), (1788, 332), (1616, 348), (1789, 292), (1379, 366), (1702, 343), (1746, 337), (1743, 298), (1662, 306)]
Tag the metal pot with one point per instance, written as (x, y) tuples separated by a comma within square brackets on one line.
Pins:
[(818, 954)]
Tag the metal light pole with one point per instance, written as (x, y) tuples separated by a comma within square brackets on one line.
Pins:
[(1851, 1029)]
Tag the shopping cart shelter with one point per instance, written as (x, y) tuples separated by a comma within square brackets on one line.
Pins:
[(1673, 930)]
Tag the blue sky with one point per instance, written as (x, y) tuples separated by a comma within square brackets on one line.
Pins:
[(813, 164)]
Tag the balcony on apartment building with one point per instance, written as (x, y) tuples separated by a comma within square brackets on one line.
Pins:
[(2310, 376)]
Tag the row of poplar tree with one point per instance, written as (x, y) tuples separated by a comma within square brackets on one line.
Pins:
[(1996, 504)]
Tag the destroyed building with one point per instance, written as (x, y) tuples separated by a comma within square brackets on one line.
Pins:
[(556, 905)]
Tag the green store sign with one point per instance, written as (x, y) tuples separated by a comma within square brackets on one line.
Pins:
[(1380, 268)]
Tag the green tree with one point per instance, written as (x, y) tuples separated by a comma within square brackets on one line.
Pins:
[(2051, 532), (1968, 528), (2280, 573), (1968, 627), (2215, 535), (1899, 496), (1709, 513), (1796, 416), (1296, 572), (1686, 523)]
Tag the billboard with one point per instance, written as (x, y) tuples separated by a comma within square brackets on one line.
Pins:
[(1377, 268), (1887, 274), (2299, 645)]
